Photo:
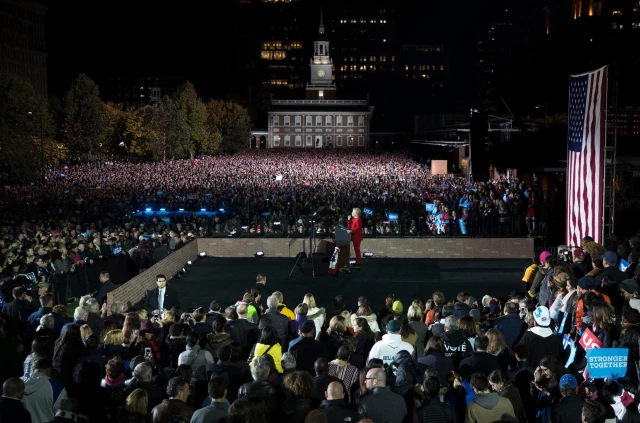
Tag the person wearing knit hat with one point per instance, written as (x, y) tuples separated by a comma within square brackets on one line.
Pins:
[(397, 307), (390, 344)]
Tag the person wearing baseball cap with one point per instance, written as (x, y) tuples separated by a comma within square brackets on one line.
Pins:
[(308, 350), (610, 264), (390, 344), (569, 407), (540, 339)]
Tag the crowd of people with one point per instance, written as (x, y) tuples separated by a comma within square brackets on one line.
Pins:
[(464, 359), (274, 192)]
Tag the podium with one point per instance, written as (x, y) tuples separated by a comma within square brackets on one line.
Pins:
[(343, 241)]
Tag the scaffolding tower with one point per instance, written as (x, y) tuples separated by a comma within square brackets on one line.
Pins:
[(610, 144)]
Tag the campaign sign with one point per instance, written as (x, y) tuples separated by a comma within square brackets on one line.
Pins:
[(117, 250), (367, 211), (588, 340), (624, 265), (607, 362), (431, 208)]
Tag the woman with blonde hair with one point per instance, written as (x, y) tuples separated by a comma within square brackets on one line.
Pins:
[(315, 313), (130, 328), (135, 408), (337, 335), (498, 347), (364, 311), (415, 316), (85, 332)]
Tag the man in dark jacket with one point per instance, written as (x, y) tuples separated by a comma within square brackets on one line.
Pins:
[(270, 393), (11, 408), (279, 321), (569, 408), (308, 350), (161, 298), (480, 361), (522, 376), (323, 379), (20, 308), (46, 302), (243, 331), (106, 286), (334, 407), (224, 369), (510, 325), (144, 380), (432, 409), (382, 405), (610, 264), (176, 405)]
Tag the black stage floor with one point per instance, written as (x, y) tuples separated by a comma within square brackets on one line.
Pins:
[(225, 279)]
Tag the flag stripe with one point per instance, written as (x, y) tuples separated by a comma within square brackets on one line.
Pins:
[(585, 157)]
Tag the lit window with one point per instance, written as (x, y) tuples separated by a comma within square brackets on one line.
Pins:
[(384, 40), (321, 93), (279, 55), (276, 141), (614, 25), (406, 67), (441, 67), (617, 12), (265, 55), (349, 141), (635, 25)]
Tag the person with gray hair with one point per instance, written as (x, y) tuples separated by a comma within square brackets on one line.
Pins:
[(176, 405), (94, 319), (456, 344), (143, 379), (279, 321), (47, 325), (382, 405), (288, 364), (118, 309), (80, 316), (271, 393)]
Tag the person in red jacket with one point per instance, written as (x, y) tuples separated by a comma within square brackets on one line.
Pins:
[(354, 223)]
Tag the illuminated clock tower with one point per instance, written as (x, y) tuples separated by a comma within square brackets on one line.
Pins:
[(321, 86)]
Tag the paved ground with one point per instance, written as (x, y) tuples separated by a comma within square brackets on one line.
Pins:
[(225, 279)]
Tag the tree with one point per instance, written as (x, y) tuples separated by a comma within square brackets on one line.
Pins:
[(25, 128), (232, 121), (168, 133), (194, 113), (84, 126), (114, 120), (135, 135)]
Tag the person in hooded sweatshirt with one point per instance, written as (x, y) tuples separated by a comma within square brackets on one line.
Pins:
[(540, 339), (487, 406), (43, 394), (391, 343)]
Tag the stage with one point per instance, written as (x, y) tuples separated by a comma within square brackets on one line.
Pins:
[(225, 279)]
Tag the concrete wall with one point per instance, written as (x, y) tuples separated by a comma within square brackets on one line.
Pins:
[(135, 289), (381, 247)]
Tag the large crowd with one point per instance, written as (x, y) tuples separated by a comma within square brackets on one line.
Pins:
[(275, 192), (465, 359)]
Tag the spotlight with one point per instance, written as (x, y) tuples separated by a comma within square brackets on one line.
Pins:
[(369, 255), (202, 254), (186, 266), (180, 209), (221, 210), (183, 271), (203, 209), (352, 261), (259, 254), (276, 223), (148, 209), (162, 209)]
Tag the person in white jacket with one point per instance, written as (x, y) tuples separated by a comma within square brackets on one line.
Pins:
[(390, 344), (316, 314), (43, 395)]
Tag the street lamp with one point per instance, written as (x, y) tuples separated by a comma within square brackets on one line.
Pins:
[(41, 143)]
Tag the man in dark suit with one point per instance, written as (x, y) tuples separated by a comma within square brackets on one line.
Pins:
[(106, 286), (308, 350), (242, 330), (161, 298)]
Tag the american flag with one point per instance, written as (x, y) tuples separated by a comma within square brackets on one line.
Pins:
[(585, 157)]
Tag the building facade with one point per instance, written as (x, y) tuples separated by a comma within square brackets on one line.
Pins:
[(321, 120), (23, 42)]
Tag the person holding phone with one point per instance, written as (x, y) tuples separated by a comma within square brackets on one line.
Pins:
[(354, 223)]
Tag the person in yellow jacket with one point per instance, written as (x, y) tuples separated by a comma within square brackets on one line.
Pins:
[(282, 307), (268, 344), (530, 274)]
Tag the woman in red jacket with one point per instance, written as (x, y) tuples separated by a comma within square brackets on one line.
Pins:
[(355, 229)]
